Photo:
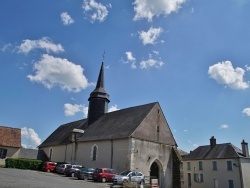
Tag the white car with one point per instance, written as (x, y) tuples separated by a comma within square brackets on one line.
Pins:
[(129, 175)]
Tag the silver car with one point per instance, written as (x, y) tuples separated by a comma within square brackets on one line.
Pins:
[(61, 168), (129, 175)]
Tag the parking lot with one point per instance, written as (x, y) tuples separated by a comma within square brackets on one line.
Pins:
[(16, 178)]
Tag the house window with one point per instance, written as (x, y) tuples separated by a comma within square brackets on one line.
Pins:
[(200, 165), (230, 183), (198, 178), (94, 152), (188, 166), (214, 163), (3, 153), (229, 165)]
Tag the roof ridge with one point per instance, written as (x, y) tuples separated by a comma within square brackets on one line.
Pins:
[(135, 106)]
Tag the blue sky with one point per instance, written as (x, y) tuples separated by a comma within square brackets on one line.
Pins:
[(191, 56)]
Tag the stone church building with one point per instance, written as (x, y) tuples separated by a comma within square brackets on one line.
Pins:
[(135, 138)]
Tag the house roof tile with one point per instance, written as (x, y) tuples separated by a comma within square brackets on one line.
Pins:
[(219, 151)]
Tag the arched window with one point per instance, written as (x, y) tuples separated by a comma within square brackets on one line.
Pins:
[(94, 152), (50, 153)]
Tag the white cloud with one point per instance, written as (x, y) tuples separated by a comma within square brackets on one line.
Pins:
[(247, 68), (131, 59), (224, 73), (43, 43), (246, 111), (6, 47), (51, 71), (224, 126), (30, 138), (66, 18), (147, 64), (98, 12), (113, 108), (130, 56), (149, 8), (150, 36), (72, 109)]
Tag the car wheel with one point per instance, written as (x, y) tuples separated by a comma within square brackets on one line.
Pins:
[(103, 180), (72, 174)]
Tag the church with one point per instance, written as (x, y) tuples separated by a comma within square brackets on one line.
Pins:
[(135, 138)]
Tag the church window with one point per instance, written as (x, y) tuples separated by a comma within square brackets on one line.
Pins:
[(94, 153)]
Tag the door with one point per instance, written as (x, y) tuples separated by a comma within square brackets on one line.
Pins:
[(215, 183), (154, 170), (189, 180)]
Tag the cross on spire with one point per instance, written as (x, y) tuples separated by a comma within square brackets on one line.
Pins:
[(103, 56)]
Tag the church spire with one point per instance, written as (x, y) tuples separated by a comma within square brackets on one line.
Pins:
[(98, 100), (100, 81)]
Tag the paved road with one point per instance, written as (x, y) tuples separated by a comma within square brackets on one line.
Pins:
[(15, 178)]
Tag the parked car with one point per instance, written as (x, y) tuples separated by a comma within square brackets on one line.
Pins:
[(61, 168), (49, 166), (129, 175), (104, 174), (85, 174), (70, 170), (89, 173)]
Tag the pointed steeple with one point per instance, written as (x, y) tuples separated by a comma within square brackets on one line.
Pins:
[(98, 100)]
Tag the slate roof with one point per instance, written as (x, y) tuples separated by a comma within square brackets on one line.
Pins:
[(63, 133), (113, 125), (219, 151)]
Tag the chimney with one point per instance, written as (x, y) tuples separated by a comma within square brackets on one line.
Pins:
[(212, 142), (245, 150)]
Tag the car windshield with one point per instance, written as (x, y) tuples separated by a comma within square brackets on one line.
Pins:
[(125, 173), (98, 170), (90, 170)]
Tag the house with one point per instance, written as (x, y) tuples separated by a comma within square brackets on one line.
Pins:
[(10, 146), (10, 143), (217, 165), (134, 138)]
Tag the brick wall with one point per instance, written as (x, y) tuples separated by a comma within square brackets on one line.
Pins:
[(10, 137)]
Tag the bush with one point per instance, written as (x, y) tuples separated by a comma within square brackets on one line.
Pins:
[(30, 164)]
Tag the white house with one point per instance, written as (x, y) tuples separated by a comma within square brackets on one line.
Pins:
[(217, 166)]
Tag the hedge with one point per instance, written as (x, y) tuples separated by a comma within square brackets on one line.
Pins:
[(30, 164)]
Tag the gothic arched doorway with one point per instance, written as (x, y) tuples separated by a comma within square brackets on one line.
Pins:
[(154, 170)]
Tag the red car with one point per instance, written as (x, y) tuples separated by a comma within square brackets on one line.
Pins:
[(49, 166), (104, 174)]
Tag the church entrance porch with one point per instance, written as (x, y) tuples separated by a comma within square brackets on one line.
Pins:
[(156, 171)]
